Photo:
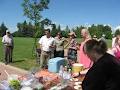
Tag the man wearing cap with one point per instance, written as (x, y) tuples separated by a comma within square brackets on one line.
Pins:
[(8, 43)]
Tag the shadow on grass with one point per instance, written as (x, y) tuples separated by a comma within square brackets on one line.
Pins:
[(18, 61)]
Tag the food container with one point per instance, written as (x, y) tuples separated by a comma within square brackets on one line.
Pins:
[(77, 68), (55, 63)]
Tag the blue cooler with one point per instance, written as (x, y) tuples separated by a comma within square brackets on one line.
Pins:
[(55, 63)]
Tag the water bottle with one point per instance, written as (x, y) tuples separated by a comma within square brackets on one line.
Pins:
[(61, 71)]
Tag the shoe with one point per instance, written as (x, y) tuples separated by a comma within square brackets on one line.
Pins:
[(10, 61)]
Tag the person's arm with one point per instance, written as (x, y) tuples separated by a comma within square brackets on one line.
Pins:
[(53, 45), (3, 41), (40, 42), (78, 46), (12, 42), (67, 43)]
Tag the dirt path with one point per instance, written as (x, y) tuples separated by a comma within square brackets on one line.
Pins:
[(10, 70)]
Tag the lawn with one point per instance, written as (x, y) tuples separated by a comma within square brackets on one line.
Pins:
[(22, 55)]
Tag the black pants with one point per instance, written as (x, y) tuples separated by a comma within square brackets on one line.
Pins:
[(59, 53)]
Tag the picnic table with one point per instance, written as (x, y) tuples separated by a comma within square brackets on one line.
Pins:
[(49, 80), (53, 79)]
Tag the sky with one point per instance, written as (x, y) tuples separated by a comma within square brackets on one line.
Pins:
[(65, 12)]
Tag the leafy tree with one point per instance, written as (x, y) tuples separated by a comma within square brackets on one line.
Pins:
[(59, 28), (77, 30), (24, 29), (3, 29), (67, 31), (108, 32), (45, 22), (54, 30), (32, 9), (99, 30)]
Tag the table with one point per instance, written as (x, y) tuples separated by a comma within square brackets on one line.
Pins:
[(49, 79)]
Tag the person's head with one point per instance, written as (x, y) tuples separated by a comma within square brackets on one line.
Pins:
[(7, 32), (59, 34), (95, 49), (47, 32), (117, 40), (85, 33), (72, 35)]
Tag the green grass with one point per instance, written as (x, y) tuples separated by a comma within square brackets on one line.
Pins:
[(22, 54)]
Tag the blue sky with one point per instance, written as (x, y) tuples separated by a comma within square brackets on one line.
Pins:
[(65, 12)]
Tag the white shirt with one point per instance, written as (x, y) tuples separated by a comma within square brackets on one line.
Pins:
[(7, 40), (46, 43)]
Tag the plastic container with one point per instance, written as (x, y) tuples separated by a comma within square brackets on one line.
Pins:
[(55, 63), (77, 68)]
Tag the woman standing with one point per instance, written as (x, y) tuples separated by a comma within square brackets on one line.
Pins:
[(83, 58), (72, 48), (59, 42)]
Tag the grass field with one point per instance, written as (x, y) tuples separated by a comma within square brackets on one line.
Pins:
[(22, 54)]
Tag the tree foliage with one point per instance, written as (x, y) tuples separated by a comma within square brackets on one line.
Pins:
[(3, 29), (26, 30), (32, 9)]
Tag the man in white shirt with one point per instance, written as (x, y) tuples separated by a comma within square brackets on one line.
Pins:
[(47, 45), (8, 43)]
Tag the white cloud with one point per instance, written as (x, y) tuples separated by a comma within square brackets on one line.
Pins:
[(12, 29), (118, 27)]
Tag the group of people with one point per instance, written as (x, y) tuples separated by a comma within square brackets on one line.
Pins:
[(54, 47), (103, 68)]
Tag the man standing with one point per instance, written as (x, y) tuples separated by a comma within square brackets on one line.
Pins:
[(8, 43), (47, 45)]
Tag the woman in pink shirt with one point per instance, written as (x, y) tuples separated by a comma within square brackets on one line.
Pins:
[(116, 48), (83, 57)]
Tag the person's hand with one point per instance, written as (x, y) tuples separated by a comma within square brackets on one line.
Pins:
[(7, 44), (84, 71)]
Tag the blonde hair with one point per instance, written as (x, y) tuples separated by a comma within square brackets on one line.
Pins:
[(87, 32)]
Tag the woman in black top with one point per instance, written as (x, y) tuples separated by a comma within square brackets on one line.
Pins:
[(105, 72)]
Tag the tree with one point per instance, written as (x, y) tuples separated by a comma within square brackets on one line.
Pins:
[(54, 30), (67, 30), (59, 28), (77, 30), (99, 30), (3, 29), (32, 9), (24, 30), (108, 32)]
